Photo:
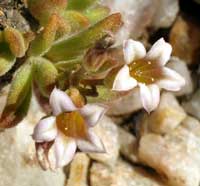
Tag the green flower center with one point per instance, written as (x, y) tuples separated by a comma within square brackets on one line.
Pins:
[(145, 71)]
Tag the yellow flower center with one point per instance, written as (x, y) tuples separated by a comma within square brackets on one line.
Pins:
[(145, 71), (72, 124)]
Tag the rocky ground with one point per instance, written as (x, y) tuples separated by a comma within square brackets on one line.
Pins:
[(160, 149)]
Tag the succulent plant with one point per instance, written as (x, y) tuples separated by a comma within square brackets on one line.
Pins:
[(13, 45), (72, 62), (71, 33), (73, 47)]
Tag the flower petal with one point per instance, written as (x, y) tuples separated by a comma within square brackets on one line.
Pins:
[(123, 81), (42, 153), (45, 130), (94, 144), (133, 50), (150, 96), (60, 102), (160, 51), (92, 113), (172, 81), (64, 148)]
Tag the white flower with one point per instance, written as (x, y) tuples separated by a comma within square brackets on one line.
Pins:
[(69, 127), (148, 71)]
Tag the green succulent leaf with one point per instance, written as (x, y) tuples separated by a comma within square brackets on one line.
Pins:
[(67, 66), (74, 46), (22, 111), (44, 40), (43, 9), (76, 20), (1, 36), (45, 75), (7, 59), (15, 41), (80, 4), (18, 98), (20, 86), (97, 13)]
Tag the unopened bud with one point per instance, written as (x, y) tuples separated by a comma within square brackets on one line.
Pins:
[(76, 97)]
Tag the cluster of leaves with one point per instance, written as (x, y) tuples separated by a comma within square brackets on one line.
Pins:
[(70, 49)]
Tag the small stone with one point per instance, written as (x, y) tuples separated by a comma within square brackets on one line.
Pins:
[(108, 133), (166, 13), (185, 40), (192, 106), (192, 124), (79, 170), (131, 103), (167, 116), (19, 166), (13, 18), (123, 175), (181, 67), (176, 156), (128, 145), (101, 175)]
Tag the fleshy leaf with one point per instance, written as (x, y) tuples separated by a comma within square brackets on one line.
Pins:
[(12, 118), (1, 36), (70, 65), (45, 39), (97, 13), (76, 20), (18, 98), (15, 41), (80, 4), (71, 47), (43, 9), (45, 75), (7, 59)]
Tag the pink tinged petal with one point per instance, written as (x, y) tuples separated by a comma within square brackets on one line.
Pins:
[(64, 149), (60, 102), (172, 81), (45, 130), (150, 96), (92, 113), (160, 51), (133, 50), (123, 81), (94, 144)]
